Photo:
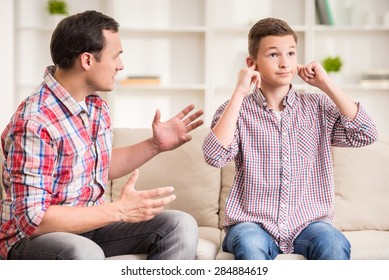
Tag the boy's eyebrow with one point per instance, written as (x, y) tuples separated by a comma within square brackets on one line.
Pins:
[(275, 48)]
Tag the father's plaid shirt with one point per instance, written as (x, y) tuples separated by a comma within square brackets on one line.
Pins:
[(55, 153), (284, 177)]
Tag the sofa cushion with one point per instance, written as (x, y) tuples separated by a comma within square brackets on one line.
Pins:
[(362, 187), (227, 178), (368, 244), (197, 185)]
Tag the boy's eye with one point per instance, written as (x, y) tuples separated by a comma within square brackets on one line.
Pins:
[(273, 55)]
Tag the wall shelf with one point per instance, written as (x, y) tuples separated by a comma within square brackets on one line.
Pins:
[(197, 47)]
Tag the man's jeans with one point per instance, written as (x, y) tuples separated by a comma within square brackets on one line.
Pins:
[(170, 235), (318, 241)]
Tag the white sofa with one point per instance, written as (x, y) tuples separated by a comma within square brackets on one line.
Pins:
[(361, 190)]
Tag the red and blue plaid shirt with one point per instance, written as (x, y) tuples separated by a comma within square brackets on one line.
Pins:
[(284, 177), (55, 153)]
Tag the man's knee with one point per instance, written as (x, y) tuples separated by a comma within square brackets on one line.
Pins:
[(181, 223), (76, 247), (86, 250)]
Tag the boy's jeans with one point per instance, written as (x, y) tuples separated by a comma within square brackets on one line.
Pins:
[(318, 241)]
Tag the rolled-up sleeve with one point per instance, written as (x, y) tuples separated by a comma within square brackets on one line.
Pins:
[(358, 132), (29, 168), (215, 154)]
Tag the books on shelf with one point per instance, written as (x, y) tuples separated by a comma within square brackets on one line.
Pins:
[(325, 12), (375, 77), (141, 80)]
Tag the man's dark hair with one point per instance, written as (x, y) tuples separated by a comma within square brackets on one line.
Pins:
[(267, 27), (79, 33)]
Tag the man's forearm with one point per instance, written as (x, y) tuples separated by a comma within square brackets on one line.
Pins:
[(76, 219)]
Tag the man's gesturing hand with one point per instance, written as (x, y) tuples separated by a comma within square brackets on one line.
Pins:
[(173, 133), (139, 206)]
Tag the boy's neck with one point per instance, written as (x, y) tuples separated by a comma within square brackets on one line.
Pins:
[(275, 96)]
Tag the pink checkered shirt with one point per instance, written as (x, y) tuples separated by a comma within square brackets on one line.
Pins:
[(284, 177), (55, 153)]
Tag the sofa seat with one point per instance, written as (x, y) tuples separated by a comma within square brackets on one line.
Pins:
[(368, 244)]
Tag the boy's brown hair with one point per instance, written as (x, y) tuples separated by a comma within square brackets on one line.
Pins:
[(267, 27)]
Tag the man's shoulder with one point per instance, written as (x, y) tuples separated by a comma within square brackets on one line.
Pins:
[(36, 110)]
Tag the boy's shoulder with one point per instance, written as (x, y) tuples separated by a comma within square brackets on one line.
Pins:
[(311, 97)]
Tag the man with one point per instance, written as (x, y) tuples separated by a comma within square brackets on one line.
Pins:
[(59, 157)]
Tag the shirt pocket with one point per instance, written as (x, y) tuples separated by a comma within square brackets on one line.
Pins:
[(307, 140)]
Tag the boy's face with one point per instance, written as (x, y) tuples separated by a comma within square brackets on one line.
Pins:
[(276, 60)]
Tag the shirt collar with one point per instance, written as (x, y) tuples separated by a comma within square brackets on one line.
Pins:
[(261, 99), (64, 96)]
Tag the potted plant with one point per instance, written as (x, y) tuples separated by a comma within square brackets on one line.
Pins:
[(57, 10), (333, 65)]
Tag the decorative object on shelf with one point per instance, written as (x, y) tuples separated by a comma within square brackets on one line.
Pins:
[(57, 10), (375, 77), (141, 80), (324, 12)]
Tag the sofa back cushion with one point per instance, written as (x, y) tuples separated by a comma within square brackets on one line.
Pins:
[(362, 187), (197, 185), (227, 177)]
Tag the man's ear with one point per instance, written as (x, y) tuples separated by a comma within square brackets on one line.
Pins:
[(86, 60)]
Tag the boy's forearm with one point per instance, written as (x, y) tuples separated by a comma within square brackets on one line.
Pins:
[(345, 105), (225, 128)]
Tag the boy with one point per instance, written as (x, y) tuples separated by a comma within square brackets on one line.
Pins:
[(58, 158), (282, 197)]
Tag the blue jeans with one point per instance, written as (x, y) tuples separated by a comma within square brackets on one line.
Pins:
[(318, 241), (171, 235)]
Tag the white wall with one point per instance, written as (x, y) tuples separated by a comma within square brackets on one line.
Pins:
[(7, 105)]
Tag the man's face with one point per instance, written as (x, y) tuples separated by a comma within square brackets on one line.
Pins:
[(103, 73), (277, 60)]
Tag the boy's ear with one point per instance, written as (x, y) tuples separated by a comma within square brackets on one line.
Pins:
[(250, 61)]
